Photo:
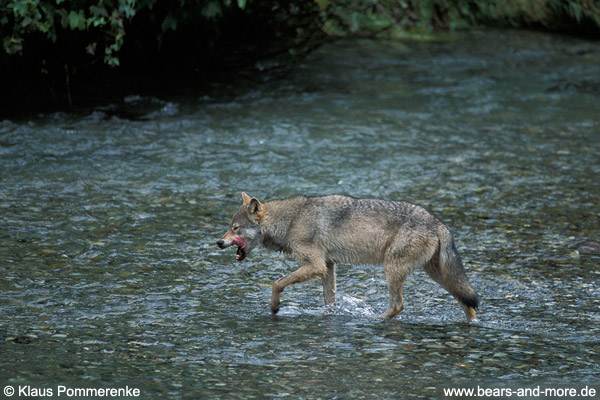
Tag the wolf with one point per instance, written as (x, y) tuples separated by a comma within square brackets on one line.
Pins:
[(322, 231)]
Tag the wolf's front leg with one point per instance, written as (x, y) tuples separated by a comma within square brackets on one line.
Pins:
[(302, 274)]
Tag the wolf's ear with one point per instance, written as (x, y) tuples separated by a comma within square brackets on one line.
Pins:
[(256, 208), (245, 199)]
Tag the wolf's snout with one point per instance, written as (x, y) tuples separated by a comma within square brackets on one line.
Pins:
[(224, 243)]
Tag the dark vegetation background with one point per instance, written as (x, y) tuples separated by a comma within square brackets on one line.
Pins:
[(60, 52)]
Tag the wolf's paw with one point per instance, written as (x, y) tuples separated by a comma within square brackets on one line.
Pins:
[(391, 312), (274, 306), (275, 298)]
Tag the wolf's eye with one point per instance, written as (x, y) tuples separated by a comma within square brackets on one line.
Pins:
[(236, 228)]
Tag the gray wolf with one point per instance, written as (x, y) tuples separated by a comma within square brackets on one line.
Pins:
[(320, 232)]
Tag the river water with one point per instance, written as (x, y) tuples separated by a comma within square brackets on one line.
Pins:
[(110, 275)]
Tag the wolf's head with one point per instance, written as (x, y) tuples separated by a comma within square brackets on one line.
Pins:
[(244, 229)]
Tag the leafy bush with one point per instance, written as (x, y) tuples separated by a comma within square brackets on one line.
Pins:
[(52, 40), (102, 27), (102, 23), (574, 15)]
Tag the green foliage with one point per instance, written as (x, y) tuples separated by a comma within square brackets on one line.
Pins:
[(98, 30), (103, 21), (552, 14), (425, 16)]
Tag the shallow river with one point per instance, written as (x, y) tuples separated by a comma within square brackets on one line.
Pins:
[(108, 220)]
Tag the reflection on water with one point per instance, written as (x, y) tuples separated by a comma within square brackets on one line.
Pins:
[(109, 217)]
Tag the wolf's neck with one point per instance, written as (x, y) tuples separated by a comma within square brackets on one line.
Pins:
[(276, 223)]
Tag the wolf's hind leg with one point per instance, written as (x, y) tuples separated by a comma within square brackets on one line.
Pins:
[(408, 252), (395, 274), (329, 283)]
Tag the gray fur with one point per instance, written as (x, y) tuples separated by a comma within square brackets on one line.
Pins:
[(322, 231)]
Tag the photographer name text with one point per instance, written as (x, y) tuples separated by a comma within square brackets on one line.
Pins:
[(25, 391)]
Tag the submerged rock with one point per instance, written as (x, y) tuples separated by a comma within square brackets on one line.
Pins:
[(588, 247)]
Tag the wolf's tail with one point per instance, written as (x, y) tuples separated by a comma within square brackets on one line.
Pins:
[(446, 268)]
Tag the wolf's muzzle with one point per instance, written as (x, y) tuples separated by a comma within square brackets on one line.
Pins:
[(238, 241), (224, 243)]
